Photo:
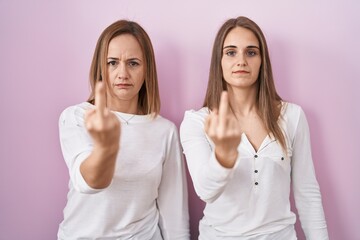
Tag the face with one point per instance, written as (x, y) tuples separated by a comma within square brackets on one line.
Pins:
[(126, 71), (241, 59)]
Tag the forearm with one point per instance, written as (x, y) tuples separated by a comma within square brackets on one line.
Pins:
[(210, 179), (98, 169), (309, 205), (209, 176), (226, 158)]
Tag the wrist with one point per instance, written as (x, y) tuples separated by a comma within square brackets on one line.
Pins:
[(107, 150), (226, 158)]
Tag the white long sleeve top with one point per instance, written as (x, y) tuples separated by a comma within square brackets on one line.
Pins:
[(147, 198), (251, 200)]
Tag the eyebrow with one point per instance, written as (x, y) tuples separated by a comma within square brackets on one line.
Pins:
[(233, 46), (130, 59)]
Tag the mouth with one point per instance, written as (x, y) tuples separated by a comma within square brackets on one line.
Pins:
[(123, 85), (241, 72)]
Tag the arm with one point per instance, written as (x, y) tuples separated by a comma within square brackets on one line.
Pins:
[(172, 197), (305, 186), (208, 175), (76, 145), (104, 128), (211, 165), (90, 146)]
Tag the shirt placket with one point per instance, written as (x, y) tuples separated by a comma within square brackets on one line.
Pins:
[(256, 171)]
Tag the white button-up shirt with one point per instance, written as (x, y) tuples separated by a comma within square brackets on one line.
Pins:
[(251, 200)]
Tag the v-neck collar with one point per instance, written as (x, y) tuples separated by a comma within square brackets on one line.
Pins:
[(267, 140)]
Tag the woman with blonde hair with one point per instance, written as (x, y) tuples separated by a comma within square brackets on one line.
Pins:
[(127, 178), (246, 147)]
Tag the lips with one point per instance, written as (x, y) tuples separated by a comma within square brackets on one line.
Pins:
[(241, 72), (123, 85)]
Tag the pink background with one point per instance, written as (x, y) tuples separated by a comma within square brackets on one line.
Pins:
[(45, 53)]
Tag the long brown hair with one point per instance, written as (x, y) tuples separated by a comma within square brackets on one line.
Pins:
[(268, 101), (149, 99)]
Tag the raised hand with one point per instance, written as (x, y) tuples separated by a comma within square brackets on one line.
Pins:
[(104, 128), (103, 125), (224, 130)]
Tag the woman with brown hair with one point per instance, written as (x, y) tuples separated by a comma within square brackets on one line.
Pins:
[(246, 147), (127, 178)]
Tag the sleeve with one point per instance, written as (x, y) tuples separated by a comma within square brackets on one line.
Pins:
[(173, 196), (208, 176), (305, 186), (76, 146)]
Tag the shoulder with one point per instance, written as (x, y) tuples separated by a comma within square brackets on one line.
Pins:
[(164, 123), (162, 127), (75, 113), (200, 114), (193, 121), (291, 111), (293, 118)]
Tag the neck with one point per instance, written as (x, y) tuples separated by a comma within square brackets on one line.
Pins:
[(124, 106), (243, 101)]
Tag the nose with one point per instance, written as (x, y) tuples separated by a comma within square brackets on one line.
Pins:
[(123, 71), (241, 61)]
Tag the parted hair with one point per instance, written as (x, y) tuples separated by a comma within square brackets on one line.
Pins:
[(149, 99), (268, 100)]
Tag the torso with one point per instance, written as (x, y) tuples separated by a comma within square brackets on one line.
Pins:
[(129, 203), (254, 129)]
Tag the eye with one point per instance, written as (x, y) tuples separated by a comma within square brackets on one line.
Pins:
[(251, 53), (133, 64), (112, 63), (230, 53)]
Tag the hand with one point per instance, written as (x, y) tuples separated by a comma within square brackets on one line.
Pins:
[(102, 125), (223, 129)]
